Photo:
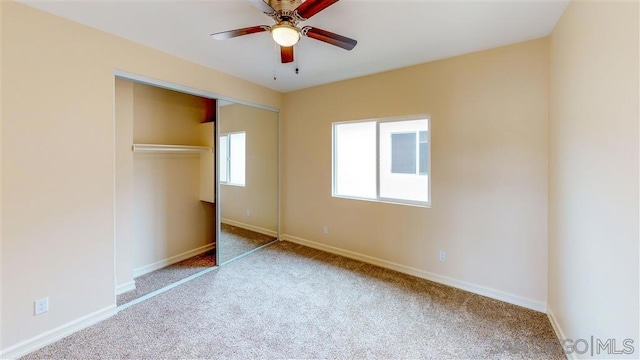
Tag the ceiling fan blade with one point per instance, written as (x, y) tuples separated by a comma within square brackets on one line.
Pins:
[(329, 37), (286, 54), (311, 7), (263, 6), (239, 32)]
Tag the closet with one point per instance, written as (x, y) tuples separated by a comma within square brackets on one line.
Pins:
[(172, 211), (165, 201)]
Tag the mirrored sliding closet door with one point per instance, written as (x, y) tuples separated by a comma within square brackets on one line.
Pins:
[(248, 179)]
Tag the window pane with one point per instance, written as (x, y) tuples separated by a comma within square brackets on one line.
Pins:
[(403, 153), (355, 159), (237, 159), (395, 155), (423, 153), (424, 156), (224, 158)]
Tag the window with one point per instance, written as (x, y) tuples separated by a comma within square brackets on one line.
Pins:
[(383, 160), (232, 158)]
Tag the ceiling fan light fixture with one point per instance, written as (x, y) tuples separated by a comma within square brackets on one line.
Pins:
[(285, 35)]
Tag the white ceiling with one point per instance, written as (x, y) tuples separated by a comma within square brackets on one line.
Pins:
[(390, 34)]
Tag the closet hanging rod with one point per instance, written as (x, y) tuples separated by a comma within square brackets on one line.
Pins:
[(170, 148)]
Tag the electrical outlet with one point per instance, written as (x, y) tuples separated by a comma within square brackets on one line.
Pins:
[(41, 306), (325, 229), (248, 213), (443, 256)]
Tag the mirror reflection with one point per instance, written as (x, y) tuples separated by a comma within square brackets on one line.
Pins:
[(248, 178)]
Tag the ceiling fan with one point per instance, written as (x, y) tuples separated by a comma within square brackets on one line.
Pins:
[(286, 33)]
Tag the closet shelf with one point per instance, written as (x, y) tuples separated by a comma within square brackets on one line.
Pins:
[(158, 148)]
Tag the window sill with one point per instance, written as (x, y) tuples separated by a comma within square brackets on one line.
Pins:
[(417, 204), (236, 185)]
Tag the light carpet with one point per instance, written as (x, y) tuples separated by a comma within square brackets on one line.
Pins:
[(158, 279), (235, 241), (290, 301)]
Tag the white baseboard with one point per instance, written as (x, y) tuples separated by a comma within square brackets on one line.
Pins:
[(250, 227), (172, 260), (51, 336), (126, 287), (476, 289), (558, 330)]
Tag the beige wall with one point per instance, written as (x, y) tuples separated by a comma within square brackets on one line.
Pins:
[(1, 217), (593, 173), (168, 117), (489, 170), (58, 161), (260, 195), (169, 218), (124, 224)]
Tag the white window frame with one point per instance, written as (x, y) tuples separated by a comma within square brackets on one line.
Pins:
[(378, 121), (228, 159)]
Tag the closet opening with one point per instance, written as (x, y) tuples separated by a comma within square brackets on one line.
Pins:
[(166, 215), (185, 203)]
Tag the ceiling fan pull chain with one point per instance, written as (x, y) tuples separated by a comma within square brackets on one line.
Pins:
[(275, 55), (296, 59)]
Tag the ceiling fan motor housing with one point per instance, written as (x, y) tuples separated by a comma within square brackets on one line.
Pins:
[(284, 5), (286, 17)]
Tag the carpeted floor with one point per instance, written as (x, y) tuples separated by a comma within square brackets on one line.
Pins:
[(235, 241), (158, 279), (289, 301)]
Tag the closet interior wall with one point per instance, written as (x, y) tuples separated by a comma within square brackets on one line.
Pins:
[(164, 200)]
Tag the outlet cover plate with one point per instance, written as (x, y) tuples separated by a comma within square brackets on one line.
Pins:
[(443, 256), (41, 306)]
